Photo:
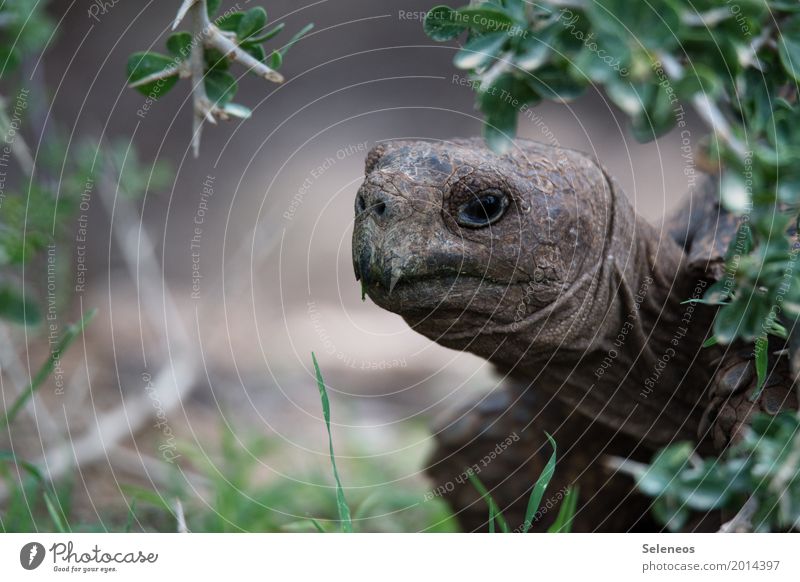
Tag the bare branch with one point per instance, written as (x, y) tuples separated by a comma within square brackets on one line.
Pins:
[(180, 517), (226, 46), (185, 6), (179, 69), (202, 104), (741, 522)]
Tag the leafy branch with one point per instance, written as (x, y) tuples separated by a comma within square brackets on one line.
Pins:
[(758, 479), (204, 54), (737, 68)]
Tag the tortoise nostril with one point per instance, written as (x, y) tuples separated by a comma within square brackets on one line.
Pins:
[(380, 208), (361, 204)]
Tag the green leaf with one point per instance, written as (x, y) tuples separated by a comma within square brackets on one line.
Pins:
[(782, 131), (341, 502), (180, 44), (628, 96), (712, 341), (297, 36), (539, 488), (230, 22), (148, 496), (734, 192), (535, 50), (253, 21), (59, 521), (17, 308), (654, 25), (555, 83), (70, 334), (237, 110), (500, 103), (220, 87), (602, 57), (131, 517), (275, 60), (215, 60), (256, 51), (658, 116), (212, 6), (442, 23), (728, 320), (273, 32), (485, 18), (699, 79), (566, 514), (495, 515), (500, 128), (142, 65), (8, 456), (672, 512), (762, 359), (480, 51), (9, 58), (789, 47)]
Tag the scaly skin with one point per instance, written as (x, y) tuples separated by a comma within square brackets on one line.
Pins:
[(567, 292), (545, 292)]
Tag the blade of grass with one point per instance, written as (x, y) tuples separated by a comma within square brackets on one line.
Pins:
[(29, 467), (494, 513), (55, 514), (762, 360), (539, 488), (341, 502), (298, 35), (146, 496), (131, 517), (72, 332), (566, 514), (317, 525)]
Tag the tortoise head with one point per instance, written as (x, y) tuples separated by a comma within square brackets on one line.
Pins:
[(460, 240)]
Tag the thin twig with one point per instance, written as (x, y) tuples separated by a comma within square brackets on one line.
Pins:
[(207, 36), (185, 6), (202, 105), (226, 46), (179, 69), (171, 384), (708, 19), (742, 521), (11, 365), (180, 517)]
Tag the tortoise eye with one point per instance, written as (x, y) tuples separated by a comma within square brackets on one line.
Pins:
[(483, 209)]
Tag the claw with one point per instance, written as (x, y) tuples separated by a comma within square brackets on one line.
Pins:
[(395, 279)]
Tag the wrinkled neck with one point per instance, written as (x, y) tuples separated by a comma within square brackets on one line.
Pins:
[(624, 347)]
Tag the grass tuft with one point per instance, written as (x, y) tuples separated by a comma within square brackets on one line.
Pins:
[(71, 333), (495, 515), (341, 502), (535, 500)]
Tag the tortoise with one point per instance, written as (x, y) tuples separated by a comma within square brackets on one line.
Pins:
[(536, 261)]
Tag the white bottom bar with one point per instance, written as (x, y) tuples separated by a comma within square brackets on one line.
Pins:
[(389, 557)]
